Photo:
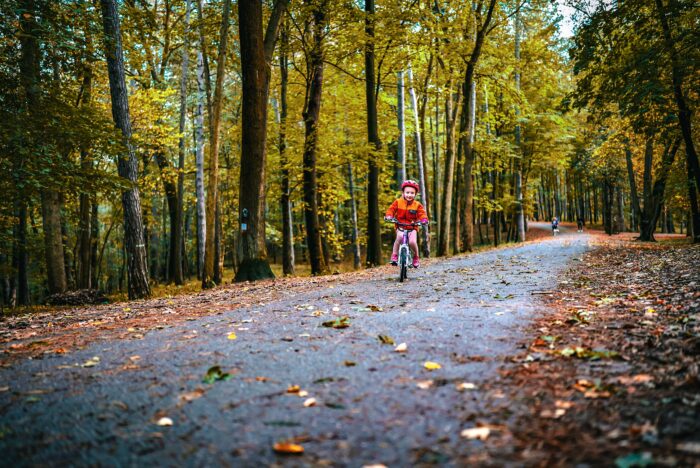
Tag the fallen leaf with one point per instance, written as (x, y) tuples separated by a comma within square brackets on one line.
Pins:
[(92, 362), (466, 386), (288, 448), (342, 322), (164, 421), (432, 365), (310, 402), (215, 374), (374, 308), (481, 433), (401, 348), (424, 384), (191, 396), (293, 389), (232, 336), (350, 363), (384, 339)]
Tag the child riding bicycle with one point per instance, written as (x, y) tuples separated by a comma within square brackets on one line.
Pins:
[(407, 210)]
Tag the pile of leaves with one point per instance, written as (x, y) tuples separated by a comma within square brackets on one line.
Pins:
[(610, 372)]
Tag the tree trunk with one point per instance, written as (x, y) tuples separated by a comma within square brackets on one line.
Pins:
[(256, 57), (311, 113), (425, 232), (652, 211), (677, 76), (401, 120), (694, 208), (357, 260), (519, 212), (171, 195), (451, 112), (286, 205), (374, 240), (214, 135), (176, 272), (53, 241), (127, 164), (199, 163)]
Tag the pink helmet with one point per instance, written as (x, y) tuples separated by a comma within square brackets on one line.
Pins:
[(410, 183)]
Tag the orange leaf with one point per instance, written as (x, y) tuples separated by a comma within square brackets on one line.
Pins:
[(287, 448)]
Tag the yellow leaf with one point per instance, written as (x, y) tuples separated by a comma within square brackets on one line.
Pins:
[(432, 365), (293, 389), (232, 336)]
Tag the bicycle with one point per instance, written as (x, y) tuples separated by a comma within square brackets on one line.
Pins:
[(404, 250)]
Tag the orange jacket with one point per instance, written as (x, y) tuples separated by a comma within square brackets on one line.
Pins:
[(406, 213)]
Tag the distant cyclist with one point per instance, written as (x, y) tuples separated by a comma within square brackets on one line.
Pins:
[(555, 225), (407, 210), (579, 224)]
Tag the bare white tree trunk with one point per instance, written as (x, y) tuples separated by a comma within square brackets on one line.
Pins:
[(199, 161), (402, 126), (425, 232)]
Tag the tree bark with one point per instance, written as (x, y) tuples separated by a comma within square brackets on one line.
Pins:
[(127, 164), (374, 240), (425, 232), (286, 205), (656, 197), (214, 135), (256, 57), (451, 112), (357, 260), (684, 113), (311, 113), (199, 164), (176, 271)]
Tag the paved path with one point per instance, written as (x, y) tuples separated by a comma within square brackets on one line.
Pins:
[(464, 313)]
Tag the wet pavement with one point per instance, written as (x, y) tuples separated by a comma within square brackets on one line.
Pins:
[(99, 406)]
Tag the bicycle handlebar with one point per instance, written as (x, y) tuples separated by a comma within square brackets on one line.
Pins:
[(411, 224)]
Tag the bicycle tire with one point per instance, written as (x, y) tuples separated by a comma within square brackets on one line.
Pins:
[(403, 265)]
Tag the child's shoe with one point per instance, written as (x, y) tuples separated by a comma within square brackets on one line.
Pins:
[(416, 262), (394, 259)]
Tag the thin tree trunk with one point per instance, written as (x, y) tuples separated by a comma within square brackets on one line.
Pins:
[(357, 260), (451, 112), (311, 113), (214, 143), (177, 251), (425, 232), (519, 212), (401, 120), (374, 241), (656, 196), (199, 163), (127, 164), (286, 205)]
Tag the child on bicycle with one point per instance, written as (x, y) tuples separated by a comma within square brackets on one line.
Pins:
[(407, 210), (555, 225)]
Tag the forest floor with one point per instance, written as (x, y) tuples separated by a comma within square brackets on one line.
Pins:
[(575, 349)]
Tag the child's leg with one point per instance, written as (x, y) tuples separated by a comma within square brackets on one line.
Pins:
[(413, 242), (397, 243)]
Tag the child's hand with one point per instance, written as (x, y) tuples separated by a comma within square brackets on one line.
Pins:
[(424, 221)]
